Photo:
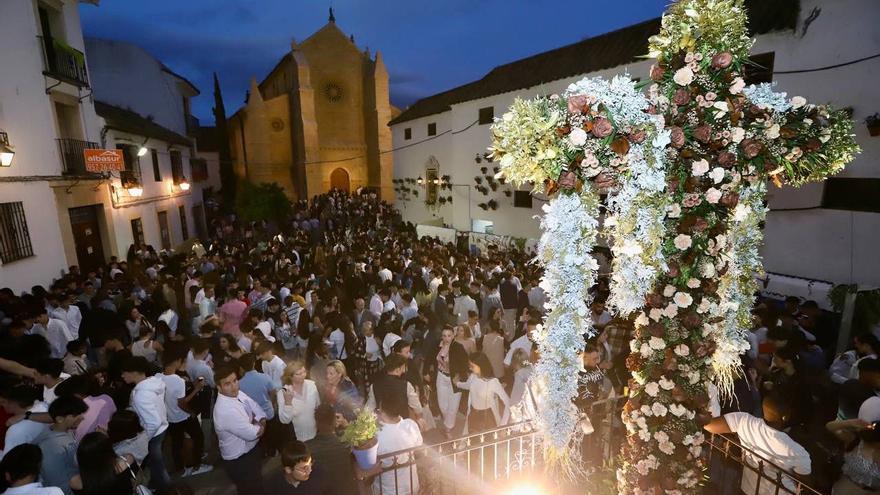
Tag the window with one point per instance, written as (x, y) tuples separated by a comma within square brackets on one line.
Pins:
[(15, 241), (522, 199), (482, 226), (137, 231), (760, 68), (487, 115), (407, 133), (184, 228), (176, 166), (432, 129), (132, 172), (852, 194), (157, 174)]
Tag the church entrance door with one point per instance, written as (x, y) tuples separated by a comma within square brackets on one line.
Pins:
[(339, 180)]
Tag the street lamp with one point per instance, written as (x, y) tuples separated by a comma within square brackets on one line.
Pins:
[(7, 153), (143, 149), (183, 184)]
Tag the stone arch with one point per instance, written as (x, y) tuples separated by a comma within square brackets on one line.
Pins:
[(340, 179)]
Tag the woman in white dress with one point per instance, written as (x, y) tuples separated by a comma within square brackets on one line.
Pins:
[(297, 401), (485, 392)]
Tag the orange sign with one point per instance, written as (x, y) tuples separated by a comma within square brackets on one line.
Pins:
[(104, 160)]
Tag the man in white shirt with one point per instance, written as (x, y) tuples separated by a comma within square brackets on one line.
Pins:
[(23, 472), (385, 275), (55, 331), (337, 337), (180, 421), (197, 365), (69, 313), (273, 366), (464, 303), (239, 423), (524, 342), (148, 401), (766, 440), (378, 302), (50, 372), (19, 401)]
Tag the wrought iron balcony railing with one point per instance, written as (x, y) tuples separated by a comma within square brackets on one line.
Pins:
[(72, 159), (64, 62)]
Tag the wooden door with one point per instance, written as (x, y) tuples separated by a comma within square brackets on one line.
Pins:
[(339, 180), (87, 237), (164, 231)]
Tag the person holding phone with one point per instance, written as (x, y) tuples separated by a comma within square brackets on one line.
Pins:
[(297, 400)]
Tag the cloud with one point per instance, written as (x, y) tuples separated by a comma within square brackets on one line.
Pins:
[(405, 77)]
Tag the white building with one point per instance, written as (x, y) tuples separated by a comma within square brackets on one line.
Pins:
[(53, 213), (828, 231)]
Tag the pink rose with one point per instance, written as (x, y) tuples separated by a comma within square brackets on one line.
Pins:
[(703, 133), (726, 159), (751, 148), (602, 127), (567, 180), (637, 136), (657, 73), (576, 103), (681, 97), (722, 60), (676, 136)]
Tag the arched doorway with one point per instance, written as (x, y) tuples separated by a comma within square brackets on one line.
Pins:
[(339, 180)]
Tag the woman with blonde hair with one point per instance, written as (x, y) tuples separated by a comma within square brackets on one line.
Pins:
[(340, 392), (465, 337), (297, 401)]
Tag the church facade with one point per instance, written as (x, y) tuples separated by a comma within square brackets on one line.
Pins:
[(318, 121)]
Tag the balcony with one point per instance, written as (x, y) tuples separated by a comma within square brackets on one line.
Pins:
[(64, 62), (72, 158)]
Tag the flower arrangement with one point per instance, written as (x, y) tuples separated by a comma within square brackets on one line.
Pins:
[(686, 167), (361, 432)]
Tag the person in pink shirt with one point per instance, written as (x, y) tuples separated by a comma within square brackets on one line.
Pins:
[(101, 407), (233, 311)]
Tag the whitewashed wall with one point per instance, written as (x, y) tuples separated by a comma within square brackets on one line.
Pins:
[(839, 246)]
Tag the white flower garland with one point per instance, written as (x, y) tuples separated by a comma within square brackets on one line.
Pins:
[(737, 286), (565, 249)]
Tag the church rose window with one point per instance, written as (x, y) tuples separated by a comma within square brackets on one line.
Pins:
[(333, 92)]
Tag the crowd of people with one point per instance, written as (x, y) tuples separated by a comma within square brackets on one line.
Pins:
[(268, 338)]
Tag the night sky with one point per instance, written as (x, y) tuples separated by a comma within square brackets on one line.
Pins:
[(428, 46)]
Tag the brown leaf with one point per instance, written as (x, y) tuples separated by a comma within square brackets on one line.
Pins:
[(620, 146)]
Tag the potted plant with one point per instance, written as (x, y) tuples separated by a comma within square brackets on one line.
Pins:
[(361, 435), (873, 122)]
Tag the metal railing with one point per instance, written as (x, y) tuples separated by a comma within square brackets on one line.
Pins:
[(730, 461), (472, 463), (463, 465), (72, 158), (64, 62)]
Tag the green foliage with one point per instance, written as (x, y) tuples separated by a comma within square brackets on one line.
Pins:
[(262, 202), (362, 430)]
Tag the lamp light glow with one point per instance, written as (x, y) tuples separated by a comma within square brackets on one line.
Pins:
[(183, 184), (142, 151), (7, 153), (135, 191)]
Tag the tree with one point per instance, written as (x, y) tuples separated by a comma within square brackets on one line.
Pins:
[(262, 202), (227, 173)]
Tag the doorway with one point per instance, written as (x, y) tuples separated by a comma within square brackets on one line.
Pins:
[(339, 180), (87, 237), (164, 231)]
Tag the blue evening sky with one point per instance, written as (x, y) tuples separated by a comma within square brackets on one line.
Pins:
[(428, 46)]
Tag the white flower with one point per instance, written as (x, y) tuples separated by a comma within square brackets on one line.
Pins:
[(683, 299), (646, 351), (671, 310), (668, 291), (683, 241), (708, 270), (673, 210), (661, 436), (682, 350), (704, 306), (507, 117), (713, 195), (798, 101), (699, 167), (659, 409), (737, 134), (737, 86), (657, 343), (678, 410), (772, 132), (694, 377), (717, 175), (642, 320), (720, 107), (741, 212), (683, 76), (578, 137), (646, 410), (667, 448), (655, 314), (591, 171), (666, 384), (693, 283), (652, 389)]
